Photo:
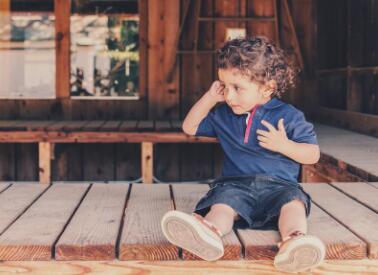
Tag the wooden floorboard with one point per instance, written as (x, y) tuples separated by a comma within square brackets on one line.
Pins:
[(32, 236), (14, 201), (142, 238), (361, 191), (344, 267), (358, 150), (4, 186), (93, 231), (82, 221), (359, 219)]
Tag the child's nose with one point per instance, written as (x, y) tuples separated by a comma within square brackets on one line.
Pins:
[(229, 95)]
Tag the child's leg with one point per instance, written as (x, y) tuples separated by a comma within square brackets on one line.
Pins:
[(297, 251), (222, 217), (292, 218)]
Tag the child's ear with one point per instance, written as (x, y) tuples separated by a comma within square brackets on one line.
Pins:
[(270, 87)]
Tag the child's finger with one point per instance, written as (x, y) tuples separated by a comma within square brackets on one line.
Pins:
[(263, 139), (263, 133), (263, 144), (268, 125), (281, 126)]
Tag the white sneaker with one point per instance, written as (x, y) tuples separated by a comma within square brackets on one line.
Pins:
[(193, 233), (300, 253)]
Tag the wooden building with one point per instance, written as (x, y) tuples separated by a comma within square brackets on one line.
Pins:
[(61, 122)]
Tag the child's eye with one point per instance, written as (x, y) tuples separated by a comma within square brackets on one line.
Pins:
[(237, 88)]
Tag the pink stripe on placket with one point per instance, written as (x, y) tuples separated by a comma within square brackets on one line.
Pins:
[(249, 124)]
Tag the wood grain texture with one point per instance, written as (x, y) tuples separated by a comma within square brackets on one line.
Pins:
[(359, 219), (142, 238), (92, 233), (15, 200), (33, 235)]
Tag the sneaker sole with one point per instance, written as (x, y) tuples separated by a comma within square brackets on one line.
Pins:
[(183, 230), (302, 254)]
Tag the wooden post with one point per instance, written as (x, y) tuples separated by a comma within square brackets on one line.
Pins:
[(62, 45), (45, 153), (147, 162)]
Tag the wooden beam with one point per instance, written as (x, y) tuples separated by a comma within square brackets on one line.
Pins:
[(62, 45), (172, 58), (100, 137), (147, 162), (362, 123), (237, 19), (293, 34), (45, 153)]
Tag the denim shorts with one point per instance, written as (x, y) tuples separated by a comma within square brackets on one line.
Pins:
[(256, 198)]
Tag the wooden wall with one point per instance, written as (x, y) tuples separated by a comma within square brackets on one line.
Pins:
[(347, 64), (171, 86)]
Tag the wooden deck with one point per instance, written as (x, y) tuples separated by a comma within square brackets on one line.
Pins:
[(121, 222)]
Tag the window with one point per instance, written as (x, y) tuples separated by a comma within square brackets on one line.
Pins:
[(27, 49), (104, 50)]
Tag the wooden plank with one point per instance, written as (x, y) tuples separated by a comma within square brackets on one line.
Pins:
[(98, 161), (62, 10), (147, 162), (15, 200), (93, 125), (375, 184), (7, 162), (26, 162), (39, 125), (111, 125), (142, 238), (57, 126), (75, 125), (128, 125), (163, 126), (45, 153), (32, 236), (127, 161), (362, 123), (365, 266), (176, 125), (186, 197), (163, 25), (145, 125), (3, 186), (92, 233), (357, 218), (265, 10), (101, 137), (291, 34), (351, 148), (340, 242), (143, 49), (360, 191)]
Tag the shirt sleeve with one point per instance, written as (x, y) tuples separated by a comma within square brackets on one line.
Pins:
[(300, 130), (206, 128)]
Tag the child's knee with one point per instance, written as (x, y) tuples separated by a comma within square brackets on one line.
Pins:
[(224, 208)]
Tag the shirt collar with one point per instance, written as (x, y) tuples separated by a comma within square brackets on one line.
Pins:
[(273, 103)]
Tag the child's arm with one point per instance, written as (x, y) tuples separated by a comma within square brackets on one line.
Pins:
[(277, 141), (202, 107)]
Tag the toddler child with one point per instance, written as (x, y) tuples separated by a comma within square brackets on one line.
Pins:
[(264, 141)]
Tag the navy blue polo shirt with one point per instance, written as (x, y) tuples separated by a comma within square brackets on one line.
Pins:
[(250, 158)]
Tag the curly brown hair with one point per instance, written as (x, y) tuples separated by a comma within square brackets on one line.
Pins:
[(259, 59)]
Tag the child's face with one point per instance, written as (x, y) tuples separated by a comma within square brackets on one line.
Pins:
[(240, 93)]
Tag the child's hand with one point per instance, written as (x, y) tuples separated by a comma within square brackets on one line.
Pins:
[(274, 139), (216, 91)]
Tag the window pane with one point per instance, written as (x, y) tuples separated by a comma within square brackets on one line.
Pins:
[(27, 49), (105, 50)]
